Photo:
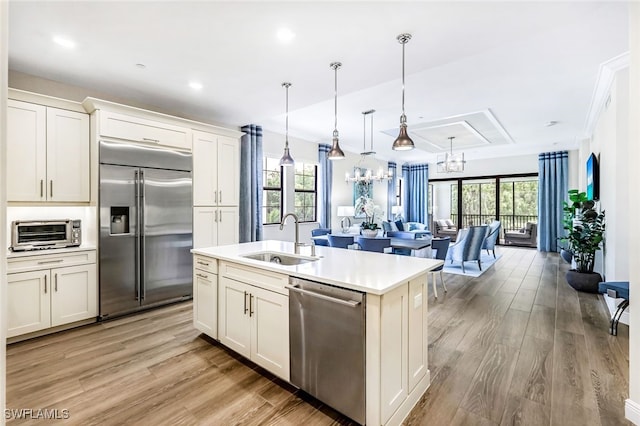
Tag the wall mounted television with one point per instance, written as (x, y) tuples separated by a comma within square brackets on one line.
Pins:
[(593, 178)]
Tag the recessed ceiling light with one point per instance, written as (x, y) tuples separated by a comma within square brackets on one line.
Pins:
[(550, 123), (285, 35), (64, 42), (195, 85)]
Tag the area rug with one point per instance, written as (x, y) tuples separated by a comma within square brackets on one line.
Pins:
[(471, 268)]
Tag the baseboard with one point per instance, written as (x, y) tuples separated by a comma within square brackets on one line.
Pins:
[(632, 411), (612, 304)]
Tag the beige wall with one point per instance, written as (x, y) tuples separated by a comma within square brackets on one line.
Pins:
[(633, 160)]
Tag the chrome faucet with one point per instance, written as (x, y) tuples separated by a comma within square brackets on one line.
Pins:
[(297, 243)]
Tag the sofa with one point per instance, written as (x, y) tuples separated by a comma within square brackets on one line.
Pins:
[(525, 237), (399, 229), (445, 228)]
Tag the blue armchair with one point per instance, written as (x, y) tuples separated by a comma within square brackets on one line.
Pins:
[(374, 244), (339, 241), (492, 237), (318, 232), (468, 246)]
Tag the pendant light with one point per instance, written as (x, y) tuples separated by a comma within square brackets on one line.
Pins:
[(403, 142), (335, 153), (286, 159), (362, 173), (451, 162)]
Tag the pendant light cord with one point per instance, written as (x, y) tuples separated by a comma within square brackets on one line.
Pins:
[(403, 44), (335, 100), (286, 134)]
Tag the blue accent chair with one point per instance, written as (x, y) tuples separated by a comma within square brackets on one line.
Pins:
[(318, 232), (492, 237), (339, 241), (374, 244), (468, 246), (441, 246), (617, 290)]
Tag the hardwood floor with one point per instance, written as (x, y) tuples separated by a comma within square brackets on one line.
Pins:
[(516, 346)]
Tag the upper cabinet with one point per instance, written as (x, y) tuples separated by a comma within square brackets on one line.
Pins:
[(131, 128), (47, 153), (216, 163)]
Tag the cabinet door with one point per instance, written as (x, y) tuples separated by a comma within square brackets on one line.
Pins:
[(270, 331), (74, 294), (228, 225), (205, 229), (228, 171), (393, 355), (234, 325), (67, 155), (26, 151), (205, 302), (28, 302), (417, 330), (205, 169)]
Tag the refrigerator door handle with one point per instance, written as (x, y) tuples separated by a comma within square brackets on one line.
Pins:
[(142, 237), (136, 185)]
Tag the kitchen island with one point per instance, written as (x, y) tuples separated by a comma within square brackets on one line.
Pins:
[(242, 300)]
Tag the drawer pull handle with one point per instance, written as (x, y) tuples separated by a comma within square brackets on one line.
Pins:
[(44, 262), (151, 140), (45, 284), (55, 282), (251, 312), (203, 263), (245, 302), (202, 276)]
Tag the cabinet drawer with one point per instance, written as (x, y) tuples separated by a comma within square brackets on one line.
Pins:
[(260, 278), (46, 261), (122, 126), (209, 277), (204, 263)]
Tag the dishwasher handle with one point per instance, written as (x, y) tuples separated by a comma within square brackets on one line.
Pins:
[(351, 303)]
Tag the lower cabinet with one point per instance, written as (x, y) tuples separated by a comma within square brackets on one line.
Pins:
[(50, 297), (205, 298), (255, 323)]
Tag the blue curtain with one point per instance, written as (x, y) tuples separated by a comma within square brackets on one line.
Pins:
[(325, 177), (416, 191), (250, 209), (553, 183), (391, 190)]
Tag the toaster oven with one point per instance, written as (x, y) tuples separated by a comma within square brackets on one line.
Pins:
[(44, 234)]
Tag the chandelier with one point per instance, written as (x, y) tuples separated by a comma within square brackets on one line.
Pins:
[(451, 162), (362, 173)]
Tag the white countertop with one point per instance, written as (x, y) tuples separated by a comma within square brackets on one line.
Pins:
[(369, 272), (14, 254)]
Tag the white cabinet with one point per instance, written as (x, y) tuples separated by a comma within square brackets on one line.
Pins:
[(45, 296), (254, 321), (216, 163), (418, 341), (205, 296), (132, 128), (215, 226), (47, 153)]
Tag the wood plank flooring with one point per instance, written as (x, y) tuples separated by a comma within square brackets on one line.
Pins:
[(516, 346)]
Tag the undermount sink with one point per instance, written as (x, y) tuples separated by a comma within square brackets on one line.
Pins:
[(279, 258)]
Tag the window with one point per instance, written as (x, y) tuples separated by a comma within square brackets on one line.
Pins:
[(305, 190), (271, 191)]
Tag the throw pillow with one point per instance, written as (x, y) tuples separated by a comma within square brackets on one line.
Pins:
[(449, 223), (399, 225), (442, 223), (412, 226)]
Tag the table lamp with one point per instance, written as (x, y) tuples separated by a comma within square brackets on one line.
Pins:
[(346, 212)]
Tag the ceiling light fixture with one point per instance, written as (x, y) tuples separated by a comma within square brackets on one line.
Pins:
[(403, 142), (64, 42), (285, 35), (286, 159), (451, 162), (361, 172), (335, 153), (195, 85)]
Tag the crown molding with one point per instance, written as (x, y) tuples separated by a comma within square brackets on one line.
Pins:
[(602, 90)]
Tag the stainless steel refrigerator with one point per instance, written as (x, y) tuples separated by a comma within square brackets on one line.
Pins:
[(145, 227)]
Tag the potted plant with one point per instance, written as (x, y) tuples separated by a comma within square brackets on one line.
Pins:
[(585, 228), (366, 206)]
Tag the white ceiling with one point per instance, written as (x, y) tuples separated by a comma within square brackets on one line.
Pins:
[(522, 63)]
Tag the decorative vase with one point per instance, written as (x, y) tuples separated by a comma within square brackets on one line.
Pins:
[(369, 233), (566, 255), (584, 281)]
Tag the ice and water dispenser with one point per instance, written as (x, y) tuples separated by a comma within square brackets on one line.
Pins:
[(119, 220)]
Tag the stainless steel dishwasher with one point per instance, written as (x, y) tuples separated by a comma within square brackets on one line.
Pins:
[(327, 336)]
